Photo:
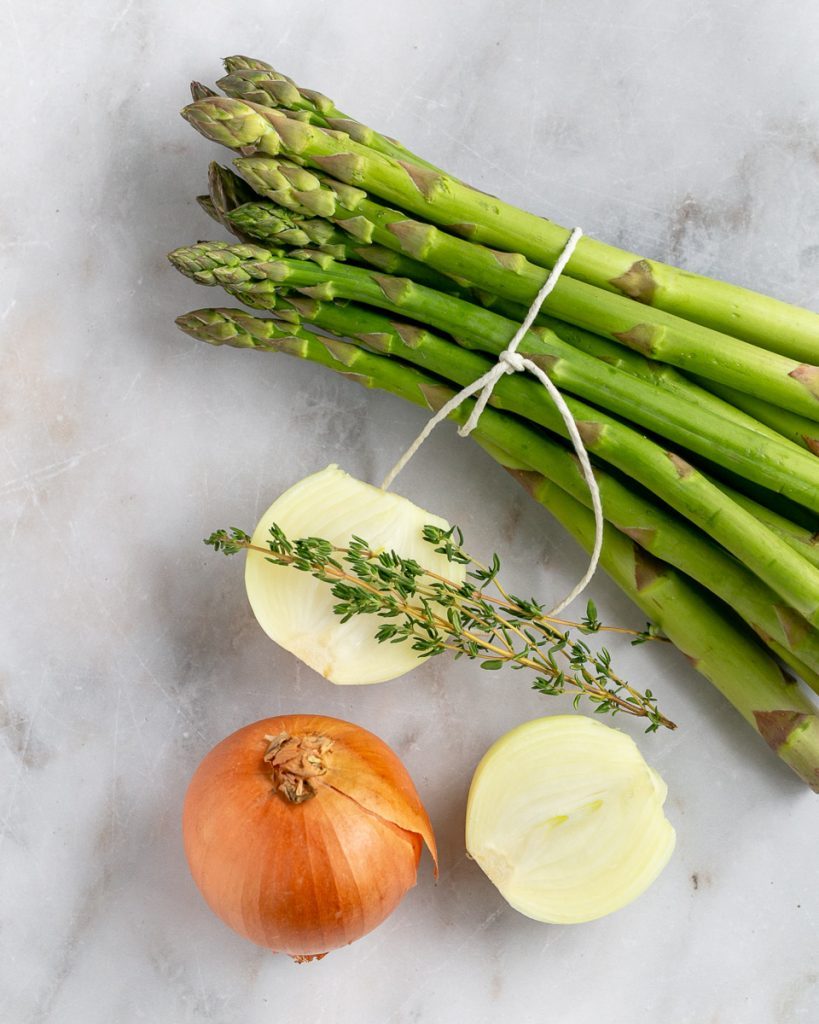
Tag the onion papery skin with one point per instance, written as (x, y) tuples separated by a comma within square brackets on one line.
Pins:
[(566, 819), (304, 878)]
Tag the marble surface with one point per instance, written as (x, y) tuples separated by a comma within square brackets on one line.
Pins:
[(686, 130)]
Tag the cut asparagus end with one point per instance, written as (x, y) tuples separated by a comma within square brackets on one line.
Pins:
[(794, 736)]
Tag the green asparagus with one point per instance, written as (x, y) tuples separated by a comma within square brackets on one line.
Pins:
[(798, 429), (770, 461), (666, 293), (268, 176), (654, 528), (257, 82), (717, 648)]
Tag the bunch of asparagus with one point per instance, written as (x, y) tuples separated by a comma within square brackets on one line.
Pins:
[(698, 400)]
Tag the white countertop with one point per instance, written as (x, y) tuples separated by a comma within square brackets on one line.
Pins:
[(683, 130)]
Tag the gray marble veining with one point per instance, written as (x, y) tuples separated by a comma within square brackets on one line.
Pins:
[(684, 130)]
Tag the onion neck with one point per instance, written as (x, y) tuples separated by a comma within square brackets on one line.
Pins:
[(296, 762)]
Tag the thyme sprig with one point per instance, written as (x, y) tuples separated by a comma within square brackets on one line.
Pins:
[(434, 615)]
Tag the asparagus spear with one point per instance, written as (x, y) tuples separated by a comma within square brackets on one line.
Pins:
[(207, 205), (268, 223), (657, 530), (439, 198), (798, 429), (230, 193), (290, 222), (365, 219), (771, 462), (225, 191), (264, 221), (805, 541), (268, 176), (800, 668), (232, 203), (510, 275), (717, 648), (661, 376), (253, 219), (257, 82), (238, 62)]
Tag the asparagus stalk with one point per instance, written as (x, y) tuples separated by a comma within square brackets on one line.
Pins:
[(238, 62), (661, 376), (772, 462), (230, 194), (268, 223), (798, 429), (666, 294), (289, 222), (805, 541), (260, 220), (232, 203), (800, 668), (681, 546), (717, 648), (801, 540), (207, 205), (300, 202), (655, 529), (364, 219), (510, 275), (226, 189), (257, 82), (263, 221)]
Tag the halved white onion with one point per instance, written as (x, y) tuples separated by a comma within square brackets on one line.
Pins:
[(296, 610), (566, 819)]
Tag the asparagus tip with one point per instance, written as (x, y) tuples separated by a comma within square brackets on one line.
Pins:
[(201, 92), (227, 121)]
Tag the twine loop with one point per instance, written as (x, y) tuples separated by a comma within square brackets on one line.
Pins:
[(511, 361)]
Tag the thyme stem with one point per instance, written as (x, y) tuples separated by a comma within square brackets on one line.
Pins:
[(435, 615)]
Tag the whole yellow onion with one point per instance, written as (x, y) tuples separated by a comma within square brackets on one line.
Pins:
[(303, 833)]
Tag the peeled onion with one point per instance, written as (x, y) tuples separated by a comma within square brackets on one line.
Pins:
[(304, 832), (296, 610), (566, 819)]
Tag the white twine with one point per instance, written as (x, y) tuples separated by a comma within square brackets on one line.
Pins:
[(511, 361)]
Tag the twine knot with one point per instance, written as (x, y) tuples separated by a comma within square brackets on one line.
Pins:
[(512, 361)]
